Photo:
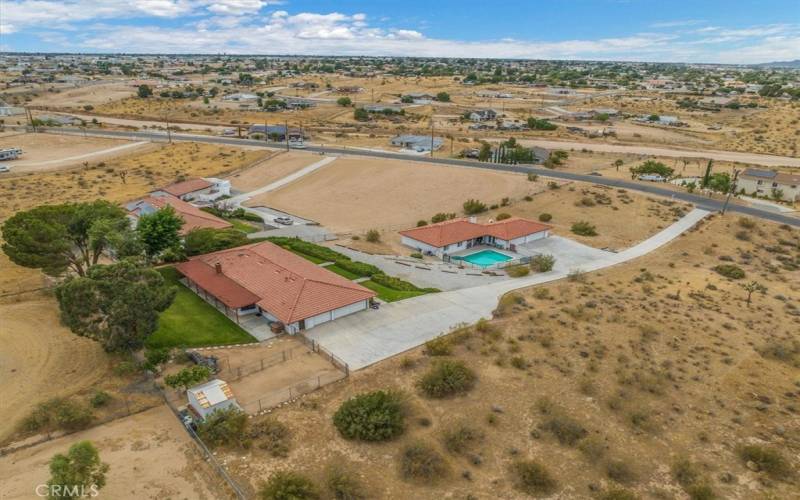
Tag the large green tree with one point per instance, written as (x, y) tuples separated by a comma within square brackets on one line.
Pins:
[(57, 238), (159, 231), (78, 474), (116, 304)]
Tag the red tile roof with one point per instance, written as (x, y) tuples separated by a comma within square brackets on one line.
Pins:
[(453, 231), (287, 286), (193, 217), (186, 187)]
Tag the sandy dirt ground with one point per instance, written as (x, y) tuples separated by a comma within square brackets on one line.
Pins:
[(41, 359), (273, 168), (150, 457), (50, 151), (92, 95), (355, 194), (645, 378)]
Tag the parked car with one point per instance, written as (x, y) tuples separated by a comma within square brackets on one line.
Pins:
[(4, 168), (297, 145), (286, 221)]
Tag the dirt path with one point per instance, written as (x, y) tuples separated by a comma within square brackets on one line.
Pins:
[(60, 162)]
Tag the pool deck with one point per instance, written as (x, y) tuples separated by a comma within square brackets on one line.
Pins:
[(481, 248)]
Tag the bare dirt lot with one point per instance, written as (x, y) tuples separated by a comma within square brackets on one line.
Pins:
[(41, 359), (49, 151), (650, 378), (273, 168), (92, 95), (287, 362), (352, 195), (150, 456)]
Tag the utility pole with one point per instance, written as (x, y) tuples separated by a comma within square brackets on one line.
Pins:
[(730, 191), (431, 136), (169, 134), (286, 133), (266, 135)]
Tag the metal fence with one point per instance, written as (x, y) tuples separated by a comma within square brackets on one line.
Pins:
[(237, 372), (316, 347), (290, 392)]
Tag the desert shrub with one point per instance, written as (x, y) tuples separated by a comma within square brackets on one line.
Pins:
[(617, 494), (620, 471), (730, 271), (545, 217), (503, 216), (447, 378), (518, 271), (460, 438), (421, 462), (566, 429), (685, 472), (58, 413), (593, 447), (272, 436), (586, 202), (441, 217), (700, 491), (373, 416), (747, 222), (508, 303), (440, 346), (99, 398), (422, 222), (285, 485), (473, 206), (584, 228), (155, 357), (543, 263), (532, 478), (532, 177), (226, 427), (767, 459), (343, 485), (415, 255), (786, 351), (518, 362), (373, 236)]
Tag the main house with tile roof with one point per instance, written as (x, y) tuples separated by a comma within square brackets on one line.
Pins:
[(263, 278), (455, 235), (200, 190)]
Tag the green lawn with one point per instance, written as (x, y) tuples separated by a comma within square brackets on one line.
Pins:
[(389, 294), (315, 260), (341, 272), (243, 226), (190, 321)]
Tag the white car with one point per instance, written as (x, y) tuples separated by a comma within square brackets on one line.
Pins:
[(4, 168), (286, 221), (297, 145)]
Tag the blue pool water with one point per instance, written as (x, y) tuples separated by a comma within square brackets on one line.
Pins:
[(486, 258)]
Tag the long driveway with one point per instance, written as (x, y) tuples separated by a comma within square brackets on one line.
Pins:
[(370, 336), (696, 199)]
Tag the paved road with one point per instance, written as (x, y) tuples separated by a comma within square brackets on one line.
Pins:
[(699, 200), (368, 337)]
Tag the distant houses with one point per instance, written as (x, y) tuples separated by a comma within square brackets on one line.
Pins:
[(482, 115), (275, 132), (768, 183), (418, 143)]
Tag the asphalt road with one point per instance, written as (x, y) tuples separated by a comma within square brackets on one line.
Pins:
[(698, 200)]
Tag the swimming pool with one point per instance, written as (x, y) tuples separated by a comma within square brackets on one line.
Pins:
[(486, 258)]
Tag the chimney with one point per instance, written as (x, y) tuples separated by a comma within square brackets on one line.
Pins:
[(218, 267)]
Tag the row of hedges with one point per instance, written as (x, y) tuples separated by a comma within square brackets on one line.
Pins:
[(361, 269)]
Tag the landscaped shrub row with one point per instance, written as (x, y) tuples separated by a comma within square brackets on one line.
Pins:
[(344, 262)]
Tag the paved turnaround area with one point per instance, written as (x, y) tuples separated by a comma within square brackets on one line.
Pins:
[(370, 336)]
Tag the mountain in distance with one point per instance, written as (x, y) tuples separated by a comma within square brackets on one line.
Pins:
[(781, 64)]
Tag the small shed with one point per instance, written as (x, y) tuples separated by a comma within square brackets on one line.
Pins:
[(211, 396)]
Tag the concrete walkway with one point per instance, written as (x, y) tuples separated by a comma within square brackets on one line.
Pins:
[(367, 337), (241, 198)]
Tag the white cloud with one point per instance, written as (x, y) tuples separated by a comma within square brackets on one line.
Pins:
[(241, 26)]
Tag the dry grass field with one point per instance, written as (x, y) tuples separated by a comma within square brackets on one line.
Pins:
[(149, 454), (49, 151), (272, 168), (91, 95), (650, 377)]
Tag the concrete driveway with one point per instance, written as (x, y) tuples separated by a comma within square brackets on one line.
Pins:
[(367, 337)]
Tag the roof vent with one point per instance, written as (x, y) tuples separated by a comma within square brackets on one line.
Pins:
[(218, 267)]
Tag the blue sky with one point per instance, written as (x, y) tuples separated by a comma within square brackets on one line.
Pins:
[(732, 31)]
